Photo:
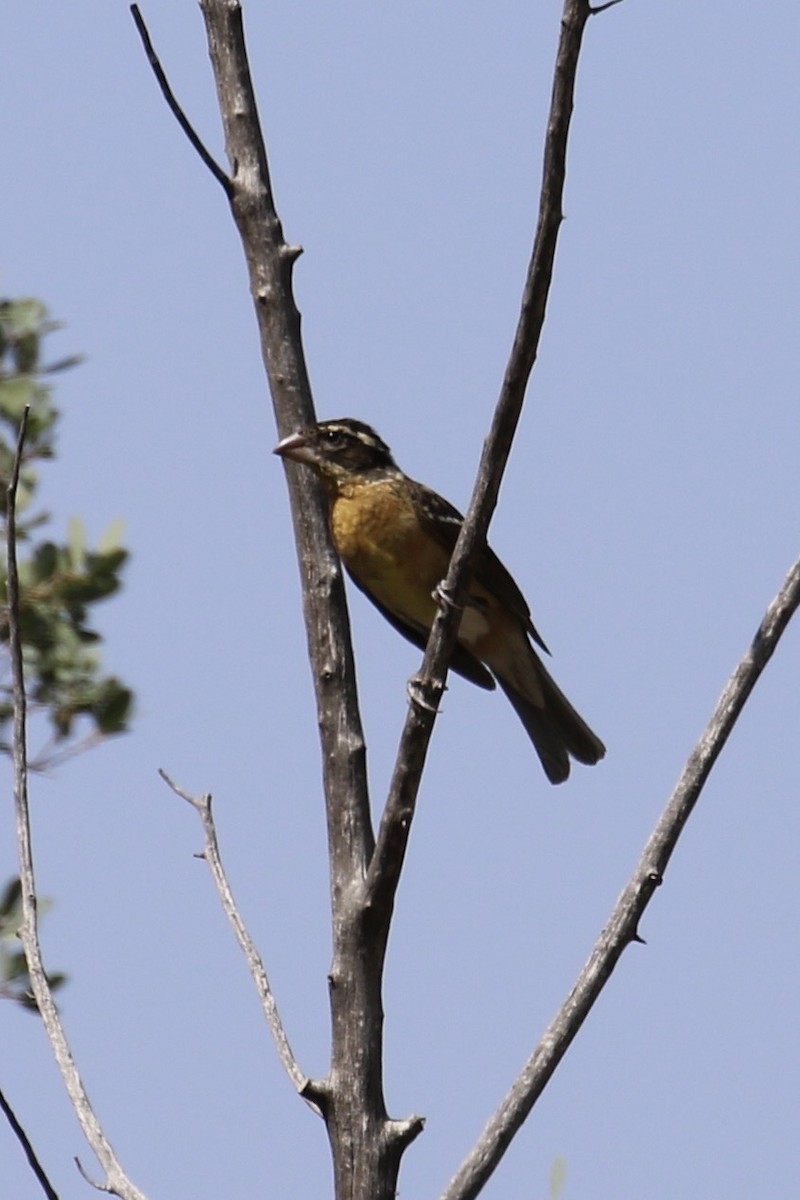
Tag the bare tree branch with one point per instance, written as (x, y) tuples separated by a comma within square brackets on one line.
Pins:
[(395, 824), (623, 925), (27, 1148), (270, 261), (117, 1183), (202, 806), (168, 94), (366, 1143)]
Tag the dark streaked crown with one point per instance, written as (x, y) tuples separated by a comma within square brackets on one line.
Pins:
[(351, 444)]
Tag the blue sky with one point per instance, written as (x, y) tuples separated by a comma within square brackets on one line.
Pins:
[(649, 512)]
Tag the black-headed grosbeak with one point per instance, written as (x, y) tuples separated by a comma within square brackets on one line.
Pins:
[(395, 537)]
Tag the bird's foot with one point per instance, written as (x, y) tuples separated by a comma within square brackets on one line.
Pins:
[(443, 596)]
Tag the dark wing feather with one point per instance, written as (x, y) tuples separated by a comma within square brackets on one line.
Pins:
[(444, 522), (462, 662)]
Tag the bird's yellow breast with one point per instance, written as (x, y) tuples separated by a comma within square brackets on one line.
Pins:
[(376, 531), (378, 535)]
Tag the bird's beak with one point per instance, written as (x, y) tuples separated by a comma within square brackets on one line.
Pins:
[(296, 448)]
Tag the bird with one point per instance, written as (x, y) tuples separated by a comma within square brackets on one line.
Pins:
[(395, 537)]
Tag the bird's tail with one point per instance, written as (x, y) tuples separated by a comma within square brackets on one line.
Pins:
[(557, 731)]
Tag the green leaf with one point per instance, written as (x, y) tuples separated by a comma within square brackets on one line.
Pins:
[(13, 966), (114, 707), (112, 538), (15, 393), (21, 317), (10, 913), (558, 1175), (26, 352), (76, 541), (44, 562)]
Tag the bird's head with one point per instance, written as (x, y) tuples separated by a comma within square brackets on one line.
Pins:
[(338, 450)]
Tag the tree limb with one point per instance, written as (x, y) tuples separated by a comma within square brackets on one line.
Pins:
[(117, 1183), (623, 925), (27, 1148), (270, 261), (202, 806), (366, 1143), (175, 108), (395, 826)]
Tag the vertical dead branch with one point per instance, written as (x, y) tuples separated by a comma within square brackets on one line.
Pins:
[(366, 1144), (117, 1183), (397, 817), (351, 1097), (269, 262)]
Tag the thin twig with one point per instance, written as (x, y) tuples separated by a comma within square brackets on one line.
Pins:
[(202, 806), (117, 1183), (216, 170), (94, 1183), (28, 1149), (384, 872), (599, 8), (63, 364), (623, 925)]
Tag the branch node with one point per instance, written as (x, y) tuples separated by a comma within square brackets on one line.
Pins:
[(99, 1187), (602, 7), (317, 1094), (420, 689), (201, 803), (403, 1133)]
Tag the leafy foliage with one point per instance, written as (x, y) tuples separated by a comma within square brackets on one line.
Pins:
[(14, 979), (59, 583)]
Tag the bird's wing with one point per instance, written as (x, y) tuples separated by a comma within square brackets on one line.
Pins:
[(462, 662), (443, 521)]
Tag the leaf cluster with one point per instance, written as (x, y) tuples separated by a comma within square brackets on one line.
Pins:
[(59, 583)]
